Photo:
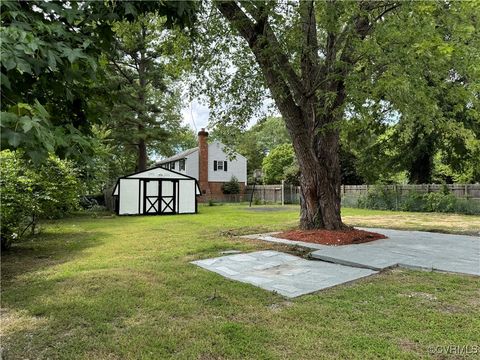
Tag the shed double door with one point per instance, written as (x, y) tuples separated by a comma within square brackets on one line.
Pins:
[(159, 196)]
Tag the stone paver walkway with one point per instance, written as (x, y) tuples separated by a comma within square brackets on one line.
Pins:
[(412, 249), (292, 276), (286, 274)]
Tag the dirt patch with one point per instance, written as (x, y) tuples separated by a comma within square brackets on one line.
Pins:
[(277, 307), (331, 237), (420, 295)]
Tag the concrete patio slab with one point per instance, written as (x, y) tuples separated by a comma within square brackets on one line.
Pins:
[(286, 274), (411, 249)]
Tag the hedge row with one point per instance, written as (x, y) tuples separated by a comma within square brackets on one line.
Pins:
[(380, 198)]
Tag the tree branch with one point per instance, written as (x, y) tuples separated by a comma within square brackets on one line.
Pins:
[(309, 57), (280, 77), (119, 68)]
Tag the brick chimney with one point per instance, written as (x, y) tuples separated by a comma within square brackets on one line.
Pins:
[(203, 161)]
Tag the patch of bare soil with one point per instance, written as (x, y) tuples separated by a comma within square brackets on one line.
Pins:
[(331, 237)]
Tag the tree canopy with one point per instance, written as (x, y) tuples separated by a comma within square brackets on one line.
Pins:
[(367, 64), (380, 91), (50, 56)]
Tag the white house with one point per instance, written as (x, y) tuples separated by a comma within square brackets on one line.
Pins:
[(156, 191), (210, 164)]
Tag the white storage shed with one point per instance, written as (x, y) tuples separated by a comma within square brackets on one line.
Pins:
[(156, 191)]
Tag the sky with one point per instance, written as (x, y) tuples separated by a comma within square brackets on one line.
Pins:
[(195, 115)]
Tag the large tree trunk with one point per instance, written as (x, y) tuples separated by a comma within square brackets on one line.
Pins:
[(142, 155), (320, 185), (310, 102), (320, 179), (142, 145), (420, 171), (421, 166)]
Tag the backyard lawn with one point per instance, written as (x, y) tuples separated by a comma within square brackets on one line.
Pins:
[(110, 287)]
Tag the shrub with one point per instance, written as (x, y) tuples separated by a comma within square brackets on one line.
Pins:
[(381, 198), (18, 201), (413, 201), (231, 187), (29, 193), (257, 201), (468, 207), (57, 183), (440, 202)]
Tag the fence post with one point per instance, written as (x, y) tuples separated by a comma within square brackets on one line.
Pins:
[(396, 196), (466, 191), (283, 192)]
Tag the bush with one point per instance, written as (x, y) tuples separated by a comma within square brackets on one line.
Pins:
[(59, 188), (440, 202), (231, 187), (381, 198), (29, 193), (413, 201)]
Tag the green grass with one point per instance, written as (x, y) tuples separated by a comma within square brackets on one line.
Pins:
[(123, 288)]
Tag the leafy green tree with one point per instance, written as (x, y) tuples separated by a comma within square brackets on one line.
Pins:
[(50, 53), (276, 163), (427, 105), (256, 142), (324, 63), (30, 192), (143, 75)]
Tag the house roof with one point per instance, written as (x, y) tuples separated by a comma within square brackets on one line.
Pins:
[(179, 156), (184, 154)]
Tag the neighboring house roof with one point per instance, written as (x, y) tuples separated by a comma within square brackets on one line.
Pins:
[(184, 154), (179, 156)]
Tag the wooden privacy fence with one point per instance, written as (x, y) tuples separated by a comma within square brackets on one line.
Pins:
[(291, 194), (468, 191), (273, 193)]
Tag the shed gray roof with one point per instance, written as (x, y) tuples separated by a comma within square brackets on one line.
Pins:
[(179, 156)]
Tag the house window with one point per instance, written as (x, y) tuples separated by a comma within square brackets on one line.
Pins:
[(172, 165), (181, 165), (219, 165)]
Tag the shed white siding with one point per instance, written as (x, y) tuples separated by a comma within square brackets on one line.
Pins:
[(128, 202), (188, 191), (156, 191)]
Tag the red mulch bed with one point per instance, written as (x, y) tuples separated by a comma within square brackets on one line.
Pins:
[(331, 237)]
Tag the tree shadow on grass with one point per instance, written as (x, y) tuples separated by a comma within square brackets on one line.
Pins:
[(45, 250)]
